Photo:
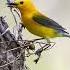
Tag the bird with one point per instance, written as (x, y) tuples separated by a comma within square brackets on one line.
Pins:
[(37, 23)]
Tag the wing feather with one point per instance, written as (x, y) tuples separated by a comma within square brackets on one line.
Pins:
[(47, 22)]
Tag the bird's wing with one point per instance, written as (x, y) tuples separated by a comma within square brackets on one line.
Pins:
[(45, 21)]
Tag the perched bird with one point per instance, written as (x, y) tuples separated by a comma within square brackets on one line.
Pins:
[(37, 23)]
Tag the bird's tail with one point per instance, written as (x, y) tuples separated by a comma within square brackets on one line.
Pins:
[(66, 35)]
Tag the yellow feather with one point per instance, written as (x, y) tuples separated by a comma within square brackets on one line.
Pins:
[(28, 10)]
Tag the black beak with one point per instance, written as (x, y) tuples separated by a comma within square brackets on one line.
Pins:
[(11, 4)]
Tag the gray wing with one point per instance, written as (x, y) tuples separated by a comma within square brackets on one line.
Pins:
[(45, 21)]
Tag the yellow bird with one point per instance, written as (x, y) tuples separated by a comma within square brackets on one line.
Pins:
[(37, 23)]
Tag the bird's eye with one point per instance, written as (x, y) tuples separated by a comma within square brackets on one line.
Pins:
[(21, 2)]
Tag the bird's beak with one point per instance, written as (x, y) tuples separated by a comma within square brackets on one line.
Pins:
[(12, 4)]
